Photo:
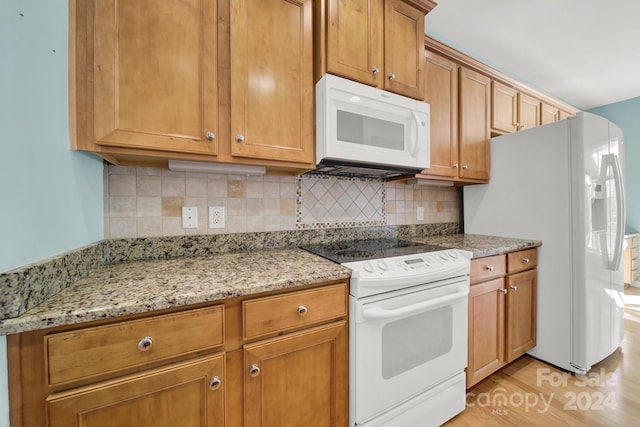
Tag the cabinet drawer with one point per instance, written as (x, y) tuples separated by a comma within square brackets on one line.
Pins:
[(487, 268), (109, 349), (522, 260), (279, 313)]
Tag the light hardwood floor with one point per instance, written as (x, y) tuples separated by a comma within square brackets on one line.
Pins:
[(529, 392)]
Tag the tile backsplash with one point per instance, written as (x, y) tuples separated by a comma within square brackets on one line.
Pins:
[(147, 202)]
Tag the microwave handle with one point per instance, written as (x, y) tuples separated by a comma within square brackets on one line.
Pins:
[(415, 133)]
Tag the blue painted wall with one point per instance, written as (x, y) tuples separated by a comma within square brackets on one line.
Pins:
[(626, 114), (51, 198)]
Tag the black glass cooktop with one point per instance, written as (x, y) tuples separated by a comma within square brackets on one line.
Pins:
[(359, 250)]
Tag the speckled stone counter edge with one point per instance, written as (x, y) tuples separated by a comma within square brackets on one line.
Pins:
[(29, 286)]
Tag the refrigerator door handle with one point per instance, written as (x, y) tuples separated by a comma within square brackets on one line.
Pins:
[(620, 211)]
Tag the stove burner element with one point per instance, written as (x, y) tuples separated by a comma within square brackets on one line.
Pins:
[(360, 250), (356, 254)]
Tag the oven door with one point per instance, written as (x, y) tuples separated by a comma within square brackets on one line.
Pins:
[(405, 343)]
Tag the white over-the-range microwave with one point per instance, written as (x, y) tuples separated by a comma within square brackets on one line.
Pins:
[(364, 131)]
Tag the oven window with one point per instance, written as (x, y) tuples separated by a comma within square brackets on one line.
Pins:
[(370, 131), (410, 342)]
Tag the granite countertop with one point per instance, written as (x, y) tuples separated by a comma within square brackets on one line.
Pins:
[(118, 278), (479, 245), (144, 286)]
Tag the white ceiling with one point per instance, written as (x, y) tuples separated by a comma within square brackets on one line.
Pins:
[(584, 52)]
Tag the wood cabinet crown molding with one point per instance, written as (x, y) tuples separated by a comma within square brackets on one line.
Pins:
[(470, 62)]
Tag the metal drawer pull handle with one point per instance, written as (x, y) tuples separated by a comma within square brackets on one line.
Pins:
[(489, 267), (392, 76), (504, 291), (515, 288), (239, 137), (525, 260), (215, 383), (210, 136), (465, 167), (302, 310), (375, 70), (254, 370), (455, 166), (145, 344)]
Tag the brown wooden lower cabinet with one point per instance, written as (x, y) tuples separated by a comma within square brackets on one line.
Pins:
[(289, 369), (502, 311), (187, 394), (298, 380), (521, 314), (486, 330)]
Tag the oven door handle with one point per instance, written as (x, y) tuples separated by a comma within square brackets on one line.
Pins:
[(381, 313)]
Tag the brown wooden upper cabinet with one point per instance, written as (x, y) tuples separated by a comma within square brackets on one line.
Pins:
[(375, 42), (151, 82), (475, 131), (272, 86), (197, 80), (548, 113), (512, 110), (459, 100), (441, 93)]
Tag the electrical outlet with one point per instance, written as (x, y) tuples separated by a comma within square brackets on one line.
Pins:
[(216, 216), (420, 213), (189, 217)]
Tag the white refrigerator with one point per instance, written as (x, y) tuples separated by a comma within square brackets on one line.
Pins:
[(563, 184)]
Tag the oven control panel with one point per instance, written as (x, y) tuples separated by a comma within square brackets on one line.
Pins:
[(408, 263), (370, 277)]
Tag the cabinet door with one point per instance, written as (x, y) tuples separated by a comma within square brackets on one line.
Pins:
[(154, 75), (528, 112), (475, 95), (298, 379), (504, 108), (403, 47), (548, 113), (521, 314), (563, 115), (441, 92), (272, 87), (353, 39), (180, 395), (486, 330)]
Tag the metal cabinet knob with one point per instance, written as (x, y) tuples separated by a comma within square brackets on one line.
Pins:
[(215, 383), (240, 137), (513, 288), (302, 310), (145, 344), (489, 267), (210, 135), (375, 70), (525, 260), (465, 167), (254, 370), (455, 166), (504, 291), (392, 76)]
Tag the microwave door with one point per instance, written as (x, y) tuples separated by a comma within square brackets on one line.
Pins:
[(370, 130)]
